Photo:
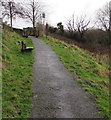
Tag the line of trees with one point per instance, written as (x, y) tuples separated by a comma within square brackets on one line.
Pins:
[(78, 27), (30, 11)]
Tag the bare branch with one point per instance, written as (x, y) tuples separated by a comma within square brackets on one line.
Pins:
[(32, 11), (11, 9), (103, 17)]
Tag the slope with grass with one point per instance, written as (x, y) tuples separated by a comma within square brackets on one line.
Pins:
[(16, 76), (92, 74), (0, 73)]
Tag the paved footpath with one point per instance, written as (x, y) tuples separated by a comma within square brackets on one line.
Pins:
[(56, 93)]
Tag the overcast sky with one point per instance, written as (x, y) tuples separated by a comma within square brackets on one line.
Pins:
[(61, 10)]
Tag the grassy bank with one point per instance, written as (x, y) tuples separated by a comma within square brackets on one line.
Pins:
[(16, 76), (0, 73), (93, 75)]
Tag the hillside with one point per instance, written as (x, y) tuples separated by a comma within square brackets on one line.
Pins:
[(92, 74), (0, 73), (16, 76)]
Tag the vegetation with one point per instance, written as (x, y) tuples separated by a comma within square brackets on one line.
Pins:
[(89, 69), (79, 29), (17, 76), (91, 73), (32, 12), (18, 31), (11, 10), (60, 27), (0, 72)]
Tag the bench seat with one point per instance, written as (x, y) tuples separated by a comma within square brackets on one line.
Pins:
[(24, 48)]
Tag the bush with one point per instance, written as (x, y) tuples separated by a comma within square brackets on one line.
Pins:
[(52, 29), (97, 37)]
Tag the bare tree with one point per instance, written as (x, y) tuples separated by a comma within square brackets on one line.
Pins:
[(71, 24), (11, 9), (32, 11), (104, 17), (104, 20), (80, 25)]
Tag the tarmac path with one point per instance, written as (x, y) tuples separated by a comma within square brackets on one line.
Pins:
[(56, 93)]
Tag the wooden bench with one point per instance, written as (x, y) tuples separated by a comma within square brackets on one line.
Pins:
[(24, 48)]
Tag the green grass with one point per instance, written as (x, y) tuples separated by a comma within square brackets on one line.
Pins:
[(16, 76), (0, 74), (90, 73)]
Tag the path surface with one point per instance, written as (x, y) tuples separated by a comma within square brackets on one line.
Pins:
[(57, 94)]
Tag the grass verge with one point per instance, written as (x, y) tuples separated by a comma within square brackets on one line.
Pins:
[(92, 74), (0, 72), (16, 76)]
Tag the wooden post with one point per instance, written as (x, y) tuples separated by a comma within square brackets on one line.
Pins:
[(46, 30)]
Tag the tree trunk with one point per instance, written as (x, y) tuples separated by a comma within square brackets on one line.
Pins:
[(11, 20), (10, 4), (33, 19)]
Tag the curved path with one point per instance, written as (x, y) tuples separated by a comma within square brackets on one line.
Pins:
[(56, 93)]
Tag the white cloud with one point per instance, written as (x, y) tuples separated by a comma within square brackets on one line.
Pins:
[(65, 8)]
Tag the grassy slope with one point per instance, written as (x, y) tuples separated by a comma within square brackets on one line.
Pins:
[(16, 76), (0, 73), (90, 73)]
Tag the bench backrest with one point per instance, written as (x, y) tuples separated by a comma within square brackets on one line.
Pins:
[(23, 45)]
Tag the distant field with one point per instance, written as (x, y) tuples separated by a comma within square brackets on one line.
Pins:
[(16, 76), (92, 74)]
